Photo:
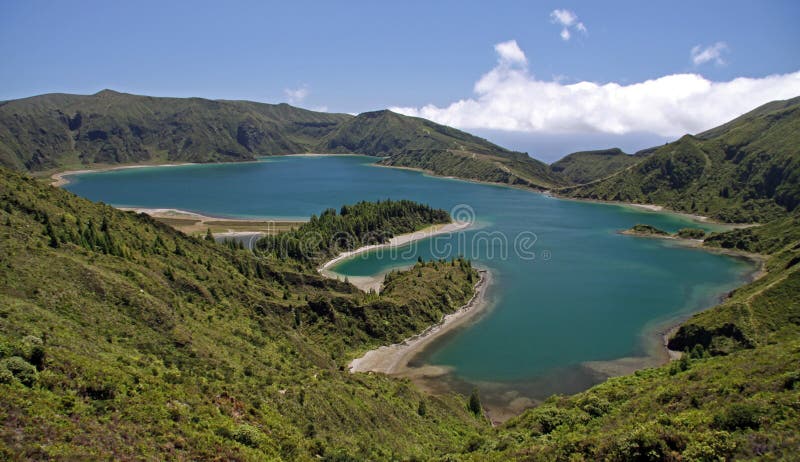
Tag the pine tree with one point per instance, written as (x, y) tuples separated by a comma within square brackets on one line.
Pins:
[(475, 402), (209, 236)]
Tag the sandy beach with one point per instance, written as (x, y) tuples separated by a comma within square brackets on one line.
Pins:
[(61, 178), (374, 282), (195, 223), (394, 359)]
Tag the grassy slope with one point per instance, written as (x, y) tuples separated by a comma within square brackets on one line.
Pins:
[(587, 166), (761, 311), (157, 345), (746, 170), (58, 130), (735, 395), (418, 143)]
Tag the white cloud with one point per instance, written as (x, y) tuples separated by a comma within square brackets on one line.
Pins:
[(511, 98), (563, 17), (297, 95), (509, 53), (567, 19), (713, 52)]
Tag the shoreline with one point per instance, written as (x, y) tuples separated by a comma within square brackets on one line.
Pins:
[(655, 208), (552, 193), (394, 359), (665, 330), (374, 282), (194, 223), (59, 179), (432, 174)]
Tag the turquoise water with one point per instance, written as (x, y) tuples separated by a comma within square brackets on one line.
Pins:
[(587, 294)]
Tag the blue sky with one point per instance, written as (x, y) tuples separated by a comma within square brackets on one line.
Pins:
[(359, 56)]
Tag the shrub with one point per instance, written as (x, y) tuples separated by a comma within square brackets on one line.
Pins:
[(644, 443), (691, 233), (595, 406), (791, 380), (6, 376), (738, 416), (710, 446), (247, 435), (21, 369), (547, 419), (474, 443)]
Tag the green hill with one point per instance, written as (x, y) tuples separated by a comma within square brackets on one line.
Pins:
[(587, 166), (413, 142), (60, 131), (747, 170), (121, 338), (386, 133), (56, 131)]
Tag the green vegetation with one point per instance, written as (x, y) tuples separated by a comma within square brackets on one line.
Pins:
[(123, 338), (386, 133), (513, 169), (766, 239), (764, 311), (691, 233), (365, 223), (741, 406), (652, 231), (645, 230), (747, 170), (588, 166), (58, 131)]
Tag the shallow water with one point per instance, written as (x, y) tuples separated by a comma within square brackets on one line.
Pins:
[(574, 291)]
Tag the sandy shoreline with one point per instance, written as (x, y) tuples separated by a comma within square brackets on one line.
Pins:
[(194, 223), (61, 178), (394, 359), (374, 282)]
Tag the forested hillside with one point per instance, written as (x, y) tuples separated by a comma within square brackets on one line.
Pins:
[(365, 223), (58, 130), (747, 170), (121, 338), (587, 166)]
